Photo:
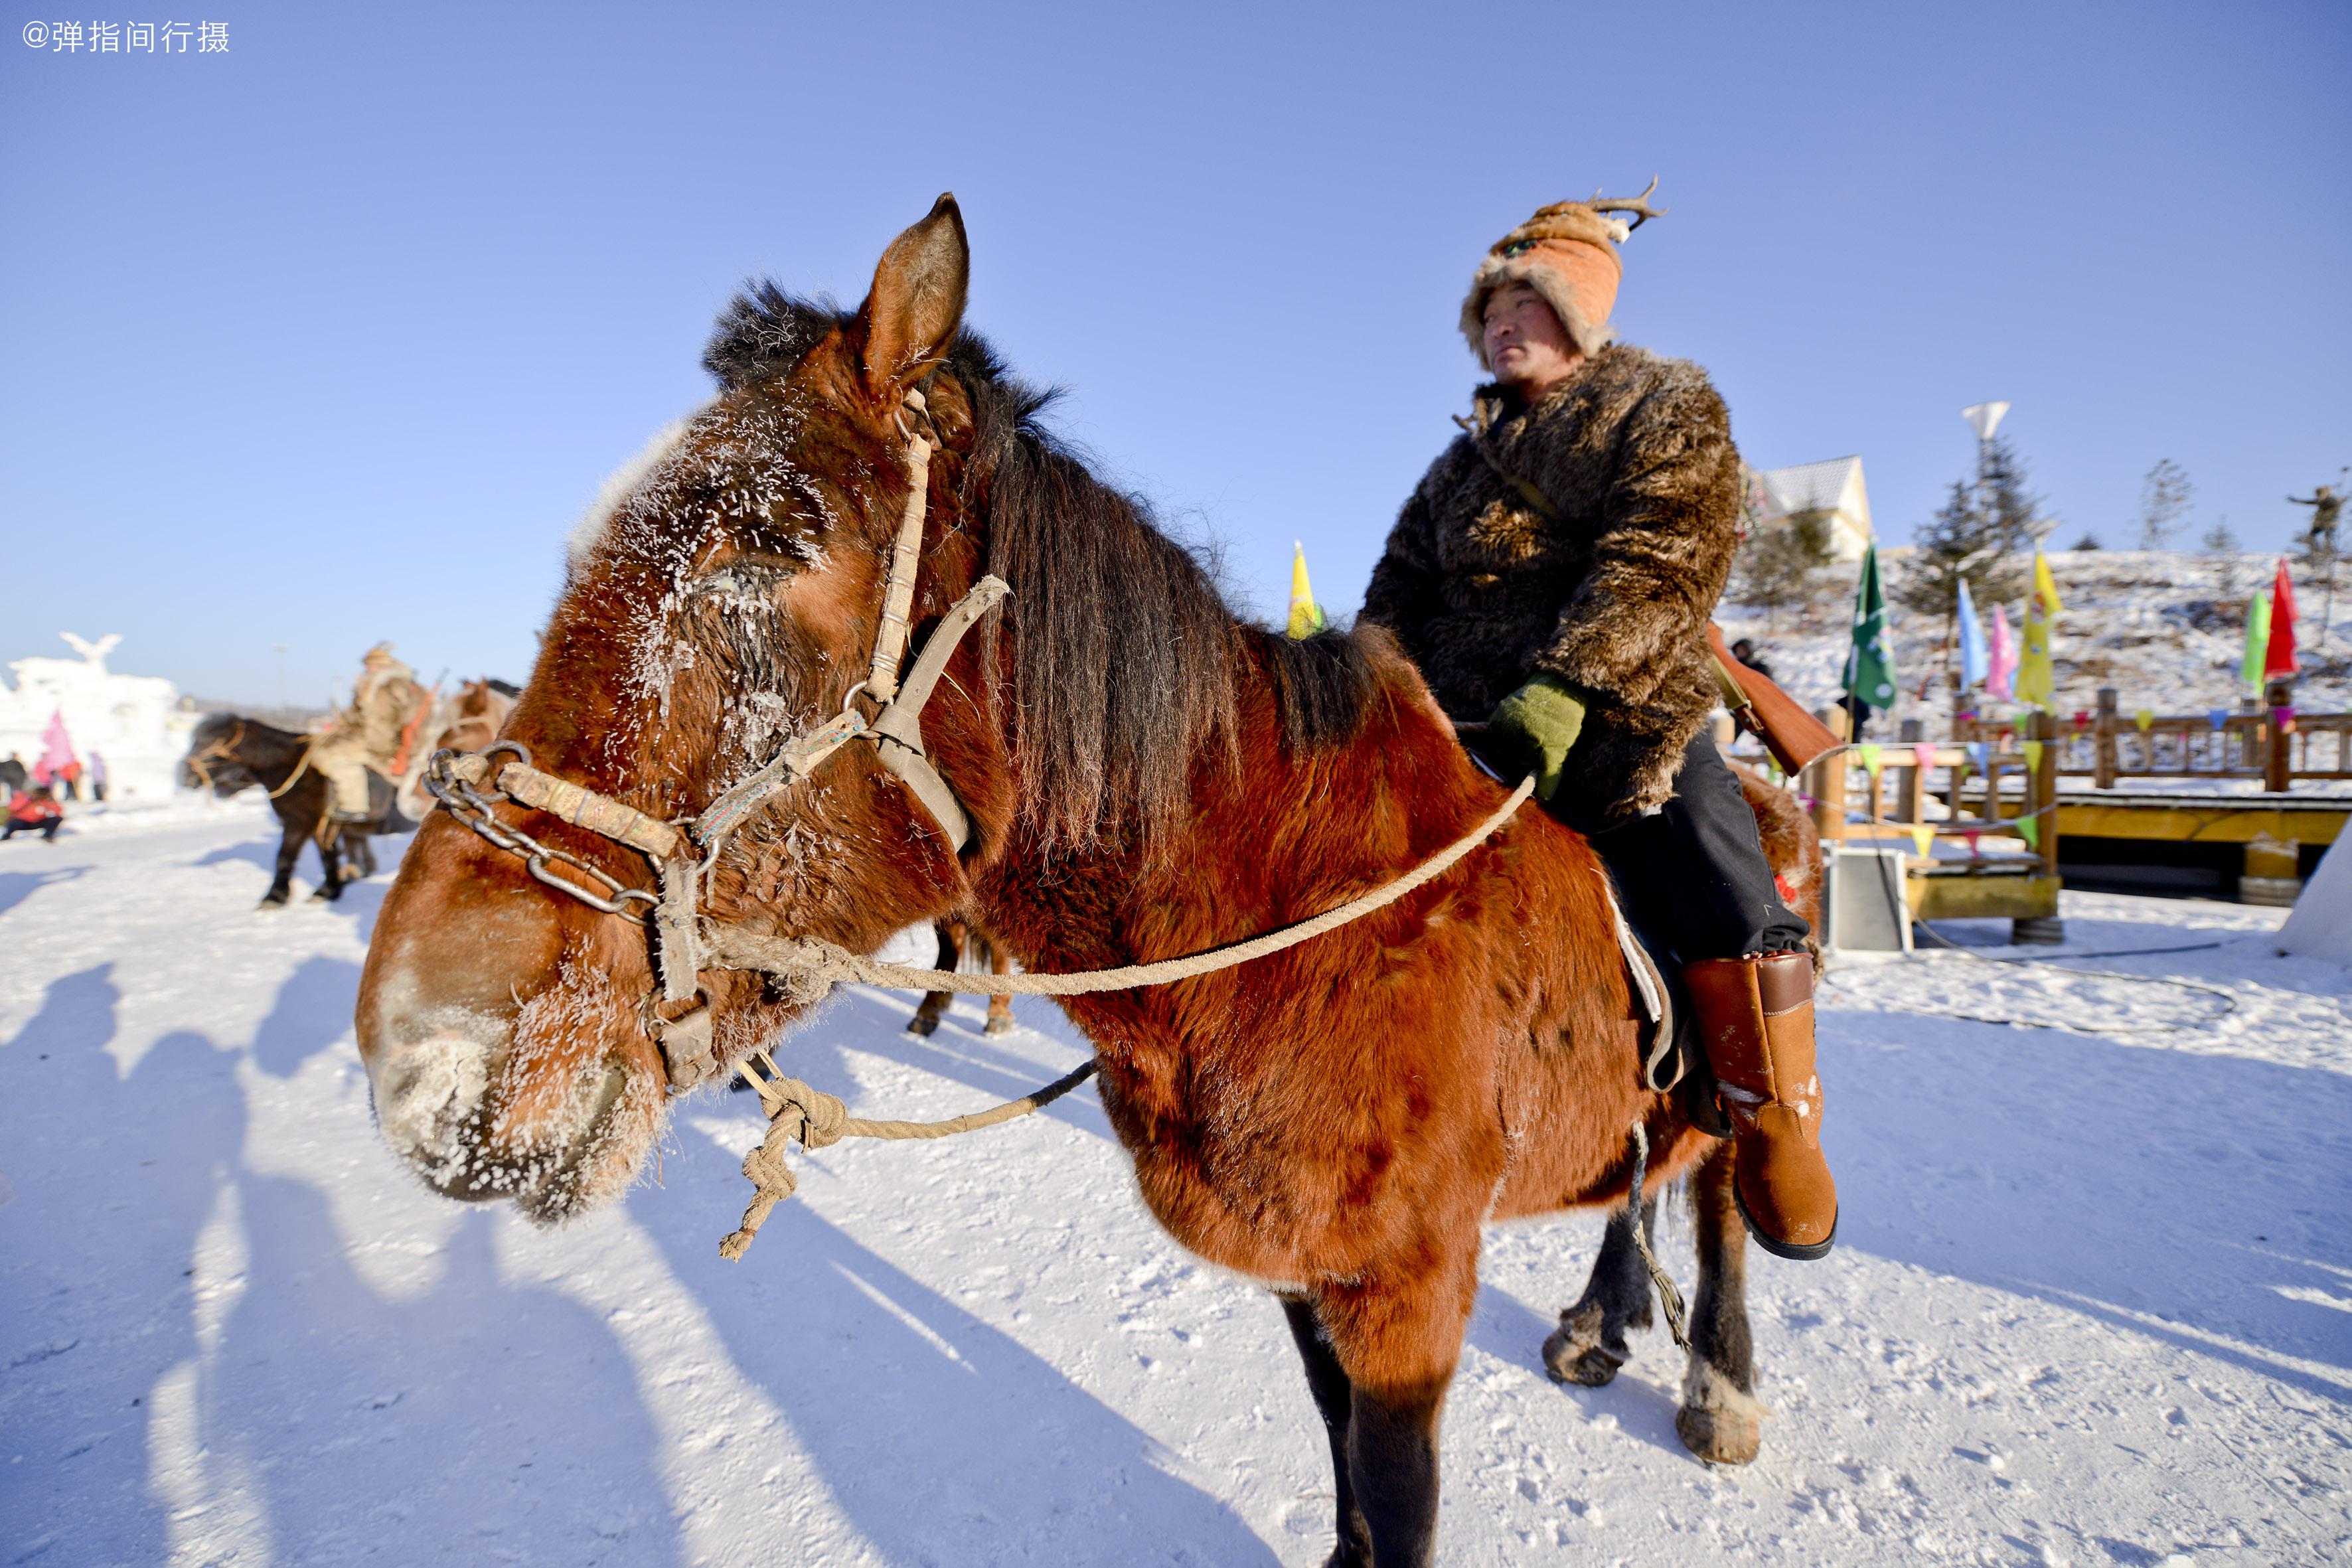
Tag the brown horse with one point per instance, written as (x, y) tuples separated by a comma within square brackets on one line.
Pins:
[(467, 722), (1146, 777)]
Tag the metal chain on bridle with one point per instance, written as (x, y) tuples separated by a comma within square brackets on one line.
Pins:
[(684, 852)]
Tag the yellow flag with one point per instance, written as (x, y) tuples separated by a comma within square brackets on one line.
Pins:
[(1924, 837), (2033, 750), (1305, 615), (2036, 685), (1870, 756), (2144, 718), (2045, 586)]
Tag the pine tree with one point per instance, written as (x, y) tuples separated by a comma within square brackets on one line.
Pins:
[(1985, 533), (2164, 498), (1782, 564)]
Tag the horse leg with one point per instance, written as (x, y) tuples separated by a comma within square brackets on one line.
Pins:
[(330, 868), (358, 854), (935, 1002), (1398, 1338), (1000, 1008), (1333, 1396), (1589, 1346), (289, 849), (1720, 1419)]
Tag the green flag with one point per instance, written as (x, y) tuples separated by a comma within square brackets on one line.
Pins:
[(1870, 663), (2258, 637)]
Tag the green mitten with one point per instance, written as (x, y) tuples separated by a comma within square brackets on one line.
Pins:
[(1536, 726)]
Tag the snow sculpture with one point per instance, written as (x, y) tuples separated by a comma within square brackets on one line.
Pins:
[(134, 721)]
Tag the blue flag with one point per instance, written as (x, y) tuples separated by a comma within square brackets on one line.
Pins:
[(1974, 660)]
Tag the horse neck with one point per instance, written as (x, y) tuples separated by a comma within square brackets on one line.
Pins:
[(1273, 837)]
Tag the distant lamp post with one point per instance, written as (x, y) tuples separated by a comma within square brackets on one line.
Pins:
[(280, 648), (1984, 419)]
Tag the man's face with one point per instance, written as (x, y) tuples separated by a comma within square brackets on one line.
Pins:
[(1526, 348)]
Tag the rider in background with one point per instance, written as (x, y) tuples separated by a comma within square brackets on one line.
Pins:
[(368, 736), (1553, 575)]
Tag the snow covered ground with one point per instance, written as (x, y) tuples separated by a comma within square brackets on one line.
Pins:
[(2093, 1303)]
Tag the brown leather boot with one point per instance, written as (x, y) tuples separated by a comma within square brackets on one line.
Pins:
[(1755, 1015)]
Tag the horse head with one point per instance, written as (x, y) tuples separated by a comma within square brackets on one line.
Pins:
[(225, 749), (721, 600)]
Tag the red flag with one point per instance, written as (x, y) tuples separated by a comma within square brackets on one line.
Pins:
[(2279, 657)]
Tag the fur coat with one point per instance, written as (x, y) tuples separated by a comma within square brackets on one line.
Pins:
[(1609, 592)]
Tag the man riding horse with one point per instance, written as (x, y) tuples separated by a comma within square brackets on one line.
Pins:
[(369, 735), (1553, 575)]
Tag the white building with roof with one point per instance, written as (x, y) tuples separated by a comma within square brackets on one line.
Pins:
[(1834, 488)]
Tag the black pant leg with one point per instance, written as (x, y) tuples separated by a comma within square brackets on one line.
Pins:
[(1694, 875)]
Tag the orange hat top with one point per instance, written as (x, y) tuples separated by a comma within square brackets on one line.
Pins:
[(1568, 254)]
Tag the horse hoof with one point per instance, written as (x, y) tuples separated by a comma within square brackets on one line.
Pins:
[(1720, 1436), (270, 905), (1589, 1366), (1574, 1353), (999, 1026), (918, 1024), (1719, 1421)]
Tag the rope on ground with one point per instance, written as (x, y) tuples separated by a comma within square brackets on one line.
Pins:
[(2229, 999), (802, 963), (819, 1121), (1670, 1296)]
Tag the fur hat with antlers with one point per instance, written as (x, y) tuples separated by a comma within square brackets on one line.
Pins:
[(1568, 254)]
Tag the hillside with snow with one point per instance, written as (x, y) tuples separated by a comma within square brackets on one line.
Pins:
[(2165, 628)]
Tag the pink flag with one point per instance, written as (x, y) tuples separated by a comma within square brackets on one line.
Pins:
[(2001, 666), (2278, 659), (59, 750)]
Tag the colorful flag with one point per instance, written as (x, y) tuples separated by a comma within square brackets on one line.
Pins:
[(1972, 640), (2219, 718), (2045, 586), (2144, 718), (1924, 837), (1305, 615), (2036, 684), (1871, 756), (1869, 663), (2030, 829), (2278, 653), (2258, 637), (2033, 750), (1926, 757), (2000, 665)]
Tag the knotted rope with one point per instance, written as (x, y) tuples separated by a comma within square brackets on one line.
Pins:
[(819, 1121), (1670, 1296)]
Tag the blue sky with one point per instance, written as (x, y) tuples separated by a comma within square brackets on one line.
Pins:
[(329, 338)]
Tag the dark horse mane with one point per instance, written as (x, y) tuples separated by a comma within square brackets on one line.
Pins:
[(1125, 653), (216, 727)]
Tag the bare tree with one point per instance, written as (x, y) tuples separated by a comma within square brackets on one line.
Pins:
[(2164, 498), (2221, 542), (1782, 564)]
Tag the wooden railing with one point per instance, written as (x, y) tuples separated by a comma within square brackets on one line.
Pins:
[(2274, 744)]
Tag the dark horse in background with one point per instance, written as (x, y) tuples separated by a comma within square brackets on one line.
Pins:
[(229, 754)]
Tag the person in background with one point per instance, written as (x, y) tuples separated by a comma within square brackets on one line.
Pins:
[(13, 777), (34, 811), (97, 777), (68, 780), (1745, 652)]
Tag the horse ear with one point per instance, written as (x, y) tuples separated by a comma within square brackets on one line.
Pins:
[(917, 299)]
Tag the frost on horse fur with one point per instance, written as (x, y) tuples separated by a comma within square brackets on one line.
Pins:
[(1146, 777)]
